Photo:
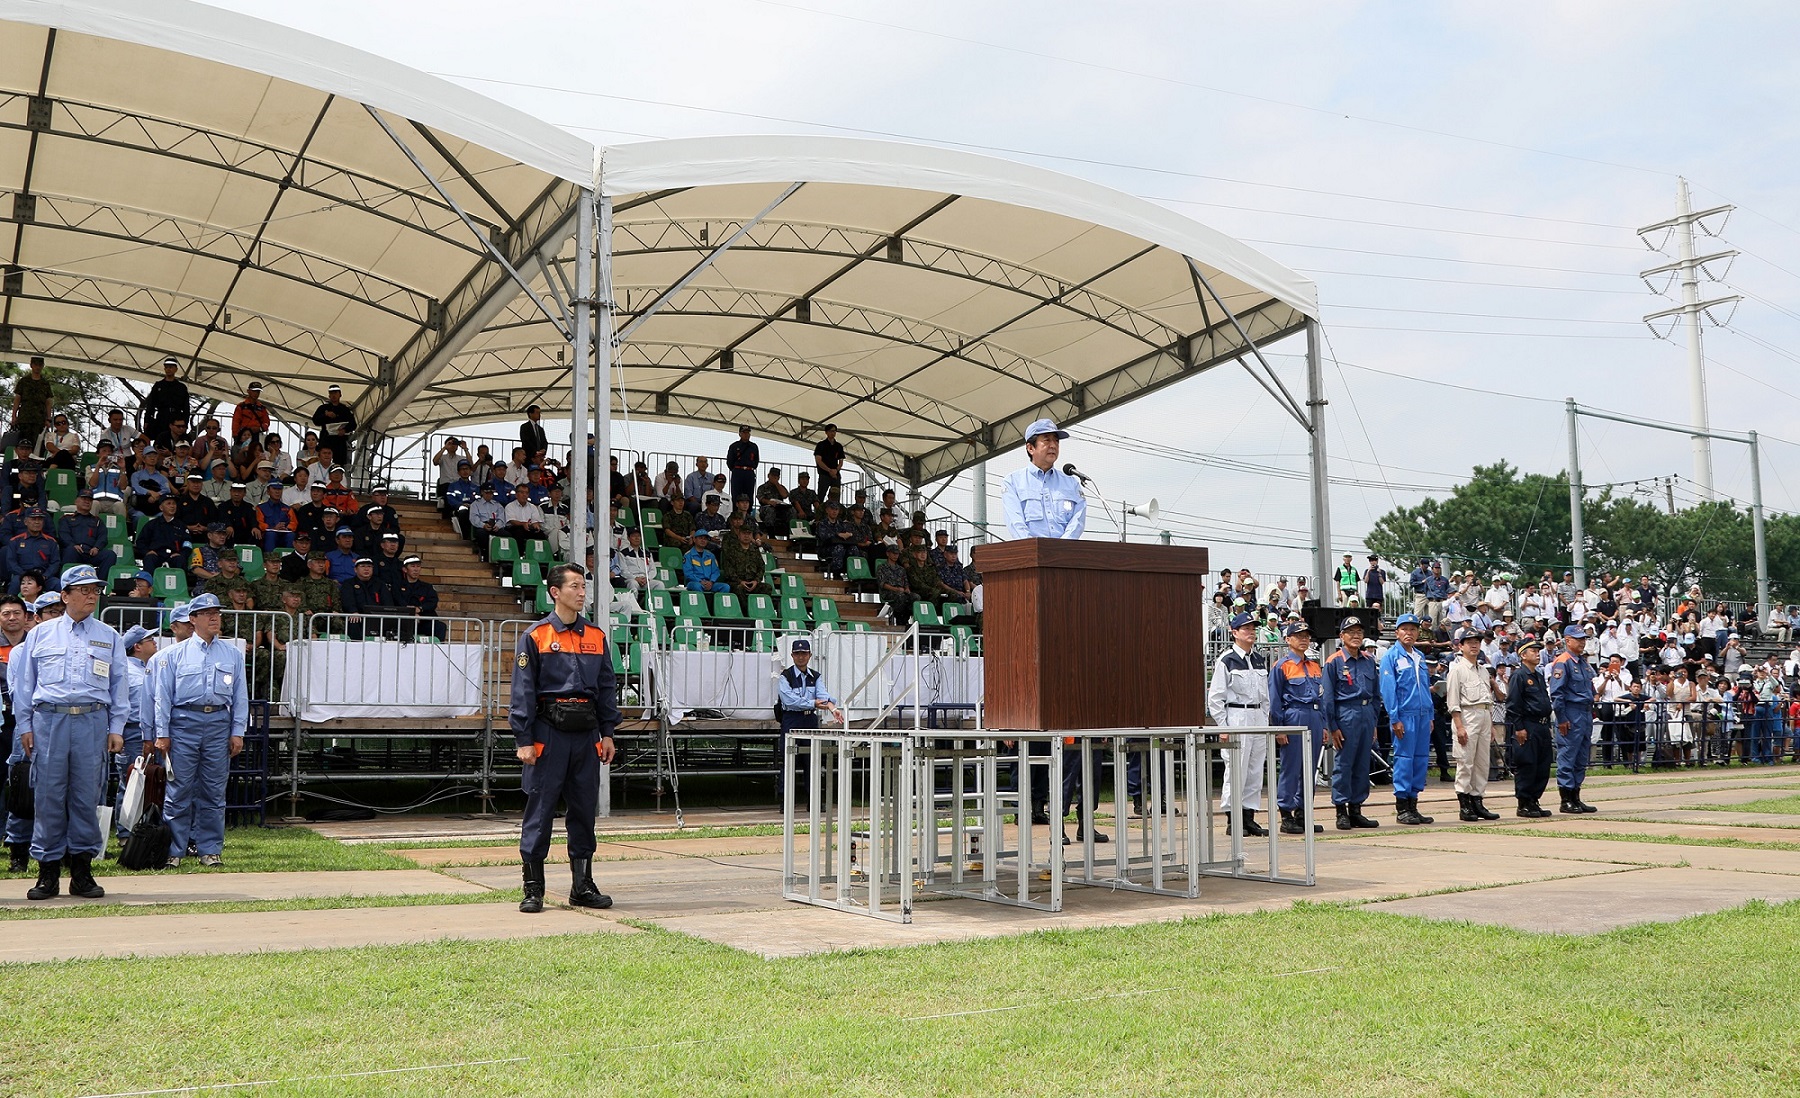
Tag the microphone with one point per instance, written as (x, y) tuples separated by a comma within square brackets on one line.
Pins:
[(1070, 471)]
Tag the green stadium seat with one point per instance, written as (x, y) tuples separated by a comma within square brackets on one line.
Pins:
[(762, 639), (118, 572), (926, 614), (60, 486), (527, 573), (759, 608), (685, 633), (625, 517), (964, 636), (727, 607), (670, 557), (825, 609), (251, 558), (857, 571), (794, 625), (693, 604), (771, 566), (650, 542), (793, 608), (792, 584), (169, 584), (955, 610), (652, 521), (118, 531), (540, 602), (858, 627), (537, 549), (88, 460), (502, 551), (661, 604)]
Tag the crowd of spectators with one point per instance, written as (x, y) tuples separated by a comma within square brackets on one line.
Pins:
[(191, 502), (1674, 676)]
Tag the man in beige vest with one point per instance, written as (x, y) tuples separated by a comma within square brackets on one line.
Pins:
[(1470, 699)]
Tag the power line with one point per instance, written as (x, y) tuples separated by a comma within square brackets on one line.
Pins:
[(1481, 316), (1394, 225)]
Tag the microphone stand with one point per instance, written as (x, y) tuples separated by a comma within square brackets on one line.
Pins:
[(1088, 483)]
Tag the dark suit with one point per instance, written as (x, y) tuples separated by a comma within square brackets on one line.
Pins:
[(531, 437)]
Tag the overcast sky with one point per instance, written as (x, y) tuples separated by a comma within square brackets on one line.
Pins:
[(1463, 182)]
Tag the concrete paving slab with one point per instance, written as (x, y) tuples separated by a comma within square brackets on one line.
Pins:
[(1612, 851), (285, 931), (1704, 829), (498, 826), (216, 886), (608, 852), (1777, 827), (1593, 905)]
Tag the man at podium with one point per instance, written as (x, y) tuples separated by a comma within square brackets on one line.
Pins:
[(1040, 500)]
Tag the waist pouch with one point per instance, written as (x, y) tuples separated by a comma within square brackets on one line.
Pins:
[(570, 716)]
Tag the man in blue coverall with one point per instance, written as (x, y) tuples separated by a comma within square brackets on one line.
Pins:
[(1296, 692), (562, 718), (1352, 686), (202, 708), (72, 700), (1406, 694), (700, 567), (1571, 684), (1040, 500)]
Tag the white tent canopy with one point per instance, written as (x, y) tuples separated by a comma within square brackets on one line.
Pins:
[(266, 205)]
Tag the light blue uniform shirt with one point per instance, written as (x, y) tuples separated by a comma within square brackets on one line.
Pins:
[(1405, 682), (1043, 504), (195, 672), (69, 662), (139, 682), (801, 698)]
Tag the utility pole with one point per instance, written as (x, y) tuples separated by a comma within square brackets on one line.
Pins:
[(1577, 537), (1669, 490), (1688, 268)]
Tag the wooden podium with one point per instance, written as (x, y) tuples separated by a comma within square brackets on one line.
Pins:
[(1089, 634)]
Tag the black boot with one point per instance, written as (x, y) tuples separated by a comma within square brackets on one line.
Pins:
[(1568, 803), (81, 877), (1466, 808), (534, 889), (582, 892), (1291, 823), (1251, 827), (1418, 816), (1580, 805), (1525, 811), (49, 882), (1358, 820), (19, 859), (1343, 818), (1481, 809)]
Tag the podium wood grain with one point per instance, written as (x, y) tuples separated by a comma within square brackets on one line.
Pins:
[(1083, 634)]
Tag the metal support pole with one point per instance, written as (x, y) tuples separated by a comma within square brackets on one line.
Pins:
[(1321, 483), (580, 348), (1690, 301), (1576, 536), (1756, 525), (978, 486), (604, 348)]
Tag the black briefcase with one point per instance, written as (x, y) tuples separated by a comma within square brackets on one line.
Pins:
[(20, 801), (147, 847)]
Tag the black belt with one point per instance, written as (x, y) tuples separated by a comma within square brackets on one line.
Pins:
[(72, 710), (203, 708), (1360, 702), (1241, 705), (1305, 705)]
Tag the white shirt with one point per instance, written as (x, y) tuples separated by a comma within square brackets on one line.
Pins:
[(524, 514), (1608, 691), (295, 496)]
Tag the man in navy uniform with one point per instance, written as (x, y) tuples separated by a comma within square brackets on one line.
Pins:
[(35, 550), (1040, 500), (1528, 713), (1352, 686), (1406, 695), (83, 536), (1237, 696), (1571, 685), (73, 700), (1296, 697), (202, 708), (563, 716), (802, 695)]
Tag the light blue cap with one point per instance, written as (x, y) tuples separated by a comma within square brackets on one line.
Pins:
[(1044, 427), (179, 612), (202, 602), (135, 636), (81, 575), (48, 598), (1574, 631), (1406, 619)]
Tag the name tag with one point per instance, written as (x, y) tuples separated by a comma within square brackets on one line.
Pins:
[(102, 669), (1068, 505)]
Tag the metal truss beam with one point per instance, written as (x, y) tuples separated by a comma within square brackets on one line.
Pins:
[(811, 238), (419, 211), (148, 229), (66, 288), (1191, 356), (483, 292), (769, 307)]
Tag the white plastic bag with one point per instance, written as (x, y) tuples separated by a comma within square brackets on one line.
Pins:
[(131, 802)]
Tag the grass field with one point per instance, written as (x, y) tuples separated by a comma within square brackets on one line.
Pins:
[(1781, 806), (1316, 1000), (271, 850)]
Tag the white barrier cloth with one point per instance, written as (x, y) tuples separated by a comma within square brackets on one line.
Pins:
[(328, 679)]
